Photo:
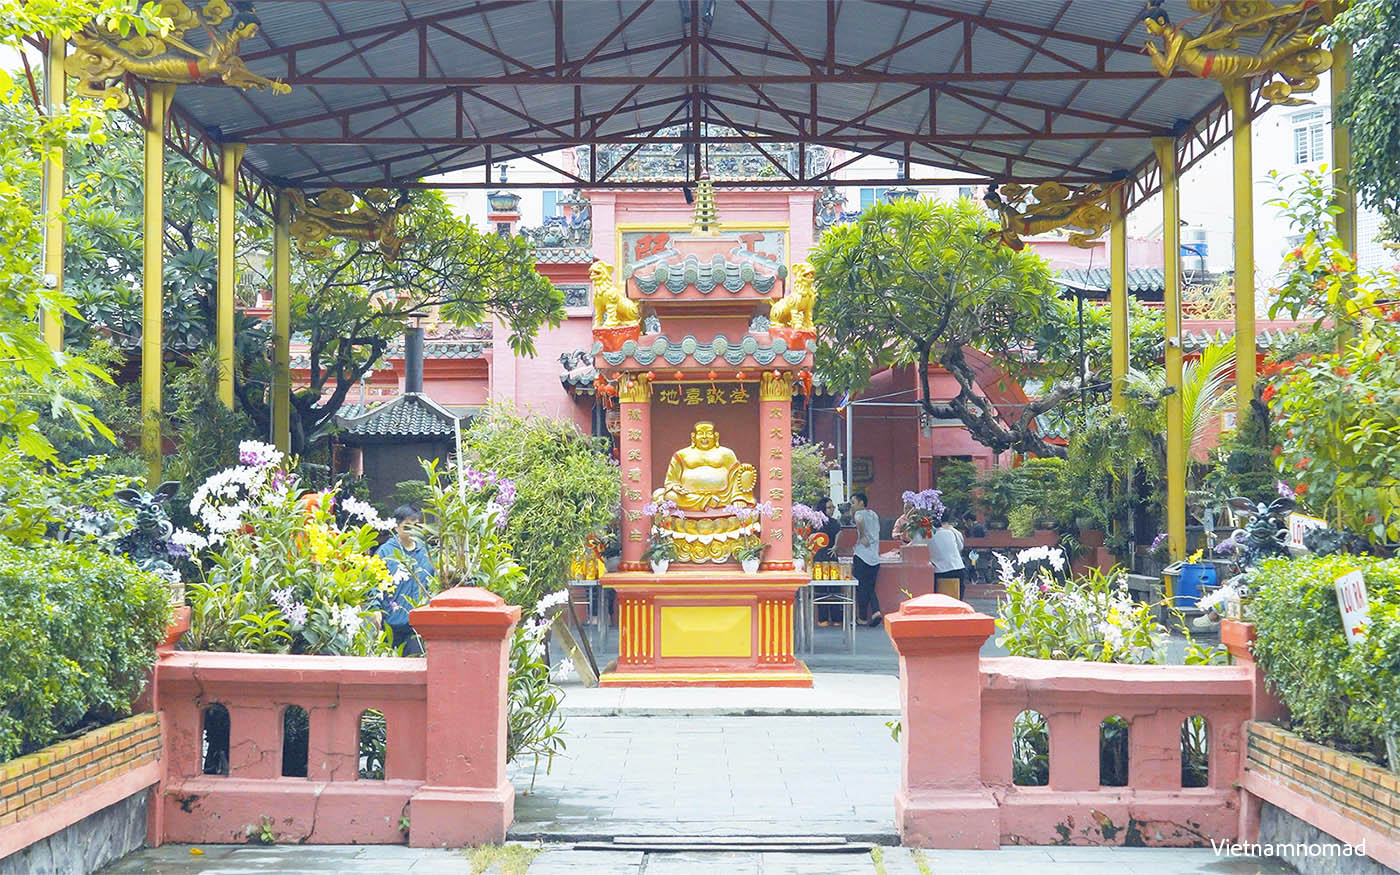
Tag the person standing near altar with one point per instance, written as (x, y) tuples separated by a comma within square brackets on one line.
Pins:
[(866, 561)]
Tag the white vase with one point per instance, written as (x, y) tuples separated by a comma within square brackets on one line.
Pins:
[(799, 563), (659, 566), (750, 565)]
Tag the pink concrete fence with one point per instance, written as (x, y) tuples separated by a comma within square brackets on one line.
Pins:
[(444, 766), (956, 789)]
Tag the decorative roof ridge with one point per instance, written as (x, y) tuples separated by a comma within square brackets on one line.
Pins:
[(672, 352)]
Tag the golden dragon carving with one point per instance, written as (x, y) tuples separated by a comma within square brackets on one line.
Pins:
[(101, 58), (375, 220), (1056, 206), (1289, 47)]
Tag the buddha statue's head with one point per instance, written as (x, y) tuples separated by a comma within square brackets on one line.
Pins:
[(704, 436)]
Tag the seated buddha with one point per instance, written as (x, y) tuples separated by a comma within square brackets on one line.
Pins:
[(706, 476)]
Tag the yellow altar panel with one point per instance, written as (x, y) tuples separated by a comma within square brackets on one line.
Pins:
[(706, 630)]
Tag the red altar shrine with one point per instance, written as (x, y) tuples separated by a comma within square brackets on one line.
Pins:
[(705, 402)]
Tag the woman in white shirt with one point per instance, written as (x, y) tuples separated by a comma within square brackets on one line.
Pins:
[(865, 563), (945, 552)]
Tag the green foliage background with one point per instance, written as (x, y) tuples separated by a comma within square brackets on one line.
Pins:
[(566, 489), (1336, 694), (81, 627)]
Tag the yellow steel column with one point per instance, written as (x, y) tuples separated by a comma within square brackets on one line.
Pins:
[(1171, 307), (55, 97), (1341, 152), (1237, 93), (1118, 292), (152, 268), (230, 157), (281, 324)]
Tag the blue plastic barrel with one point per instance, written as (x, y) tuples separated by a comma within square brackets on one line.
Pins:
[(1189, 581)]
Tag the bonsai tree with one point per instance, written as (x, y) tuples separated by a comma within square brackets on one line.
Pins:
[(916, 283)]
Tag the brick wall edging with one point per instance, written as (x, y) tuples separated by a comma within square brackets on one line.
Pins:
[(1340, 794), (50, 789)]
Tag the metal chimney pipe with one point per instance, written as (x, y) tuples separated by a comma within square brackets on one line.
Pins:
[(413, 360)]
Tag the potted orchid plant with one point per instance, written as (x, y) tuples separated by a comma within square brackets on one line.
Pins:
[(752, 549), (922, 513), (805, 521), (750, 554), (661, 551)]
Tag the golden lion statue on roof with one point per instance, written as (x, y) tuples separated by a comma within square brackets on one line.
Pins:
[(611, 307), (794, 310)]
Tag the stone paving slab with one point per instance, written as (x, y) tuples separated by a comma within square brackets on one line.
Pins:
[(799, 776), (563, 860)]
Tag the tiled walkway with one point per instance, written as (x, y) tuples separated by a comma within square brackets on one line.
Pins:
[(714, 776)]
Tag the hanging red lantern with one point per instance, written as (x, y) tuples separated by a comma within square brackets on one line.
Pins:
[(680, 375), (713, 376), (739, 376), (806, 377)]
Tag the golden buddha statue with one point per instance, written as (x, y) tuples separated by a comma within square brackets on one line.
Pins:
[(705, 475)]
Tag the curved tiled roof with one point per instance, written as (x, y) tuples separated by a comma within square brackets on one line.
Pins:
[(1141, 280), (676, 352), (563, 254), (1267, 338), (707, 276), (411, 415)]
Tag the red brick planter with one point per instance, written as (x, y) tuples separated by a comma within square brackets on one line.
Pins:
[(56, 787)]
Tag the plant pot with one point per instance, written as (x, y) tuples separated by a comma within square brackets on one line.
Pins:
[(750, 565), (997, 524), (659, 566), (799, 563)]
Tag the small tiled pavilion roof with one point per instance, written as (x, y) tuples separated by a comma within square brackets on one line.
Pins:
[(1143, 282), (408, 416)]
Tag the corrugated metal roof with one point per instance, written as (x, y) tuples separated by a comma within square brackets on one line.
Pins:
[(392, 92)]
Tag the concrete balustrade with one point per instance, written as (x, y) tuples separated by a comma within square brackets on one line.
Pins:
[(958, 715), (446, 738)]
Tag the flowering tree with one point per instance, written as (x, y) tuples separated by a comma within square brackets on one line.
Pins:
[(914, 283)]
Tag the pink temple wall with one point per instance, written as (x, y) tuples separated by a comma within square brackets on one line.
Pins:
[(1063, 255)]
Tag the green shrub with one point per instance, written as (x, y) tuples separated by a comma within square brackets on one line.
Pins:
[(1000, 491), (1020, 522), (81, 626), (956, 479), (1336, 694), (566, 489), (810, 464), (1042, 488)]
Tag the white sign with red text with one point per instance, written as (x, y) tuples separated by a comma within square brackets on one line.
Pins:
[(1300, 524), (1352, 601)]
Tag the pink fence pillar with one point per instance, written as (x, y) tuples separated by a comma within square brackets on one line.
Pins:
[(149, 700), (941, 800), (465, 799), (1238, 638)]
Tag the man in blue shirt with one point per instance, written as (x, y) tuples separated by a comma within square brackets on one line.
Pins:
[(406, 557)]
